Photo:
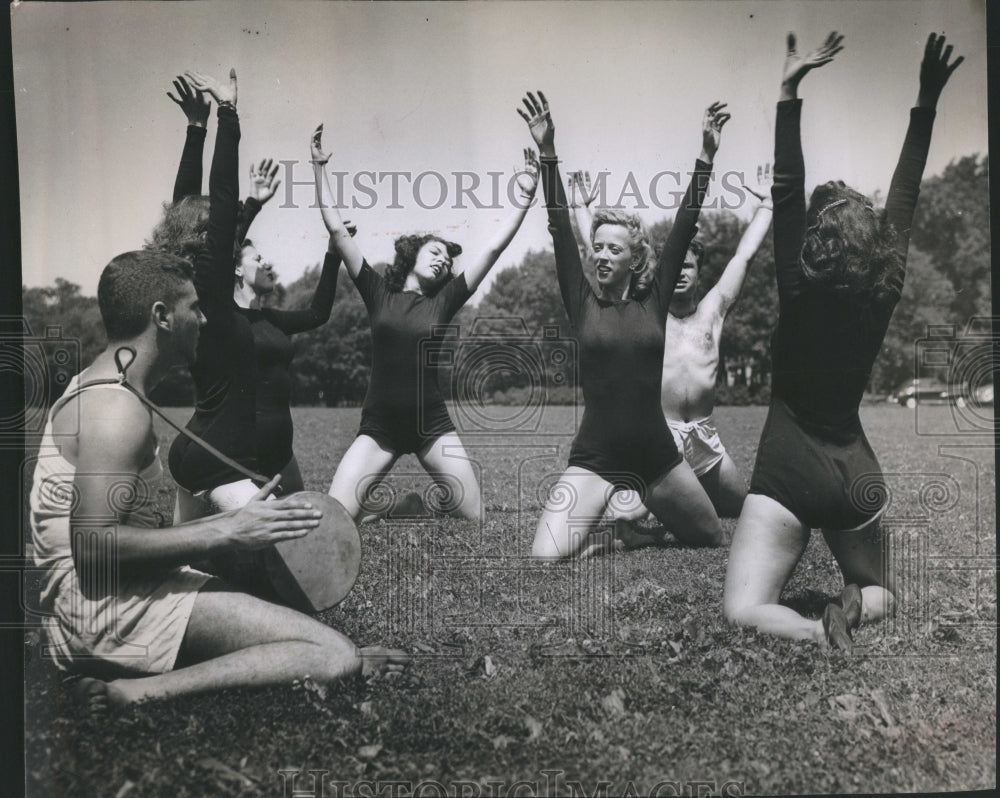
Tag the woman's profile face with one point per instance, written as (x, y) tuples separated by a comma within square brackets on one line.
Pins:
[(433, 264), (612, 256), (257, 274)]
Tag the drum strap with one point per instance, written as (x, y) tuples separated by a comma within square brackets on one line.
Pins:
[(121, 380)]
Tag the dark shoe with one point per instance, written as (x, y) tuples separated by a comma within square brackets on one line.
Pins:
[(850, 603), (410, 505), (633, 538), (835, 628)]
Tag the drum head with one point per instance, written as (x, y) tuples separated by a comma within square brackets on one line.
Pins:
[(316, 572)]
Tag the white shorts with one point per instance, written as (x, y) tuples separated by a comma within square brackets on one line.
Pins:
[(699, 442)]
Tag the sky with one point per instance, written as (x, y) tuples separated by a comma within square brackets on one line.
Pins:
[(433, 87)]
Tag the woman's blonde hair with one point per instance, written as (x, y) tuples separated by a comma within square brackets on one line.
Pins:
[(643, 264)]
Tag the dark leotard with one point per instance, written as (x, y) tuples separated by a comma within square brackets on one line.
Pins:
[(623, 436), (241, 371), (404, 409), (814, 457)]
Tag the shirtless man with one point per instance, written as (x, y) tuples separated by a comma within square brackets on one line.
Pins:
[(691, 362), (122, 607)]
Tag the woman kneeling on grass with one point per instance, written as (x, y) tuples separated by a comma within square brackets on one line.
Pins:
[(623, 441), (404, 410), (840, 267)]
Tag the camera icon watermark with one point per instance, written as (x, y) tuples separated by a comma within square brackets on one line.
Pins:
[(504, 380), (956, 369), (47, 362)]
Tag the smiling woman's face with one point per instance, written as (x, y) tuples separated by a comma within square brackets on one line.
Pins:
[(433, 264), (612, 256)]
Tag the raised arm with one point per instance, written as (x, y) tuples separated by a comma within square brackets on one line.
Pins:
[(729, 285), (113, 446), (904, 190), (569, 268), (341, 239), (685, 222), (527, 182), (580, 198), (263, 183), (789, 167), (196, 107), (214, 265)]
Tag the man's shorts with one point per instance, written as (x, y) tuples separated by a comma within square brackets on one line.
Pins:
[(699, 442)]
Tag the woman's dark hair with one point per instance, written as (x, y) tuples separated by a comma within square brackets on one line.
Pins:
[(407, 248), (182, 229), (849, 247)]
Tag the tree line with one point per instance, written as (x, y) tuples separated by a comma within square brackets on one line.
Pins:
[(518, 339)]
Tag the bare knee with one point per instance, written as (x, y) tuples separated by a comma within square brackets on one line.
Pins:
[(736, 613)]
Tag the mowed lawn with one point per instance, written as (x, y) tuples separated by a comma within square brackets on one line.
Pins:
[(619, 670)]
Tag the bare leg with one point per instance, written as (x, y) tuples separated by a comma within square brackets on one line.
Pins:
[(861, 556), (680, 503), (235, 640), (575, 506), (449, 466), (767, 545), (363, 466), (725, 487)]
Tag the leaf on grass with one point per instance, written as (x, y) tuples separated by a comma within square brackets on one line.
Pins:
[(488, 665), (502, 741), (847, 703), (424, 647), (222, 770), (125, 789), (676, 646), (365, 707), (534, 727), (614, 702), (883, 707), (369, 751)]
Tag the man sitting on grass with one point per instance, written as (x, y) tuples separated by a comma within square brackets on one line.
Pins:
[(123, 608)]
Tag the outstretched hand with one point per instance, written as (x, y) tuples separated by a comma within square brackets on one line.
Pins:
[(264, 180), (579, 183), (223, 93), (539, 122), (711, 128), (935, 70), (195, 105), (762, 191), (796, 66), (316, 154), (527, 178)]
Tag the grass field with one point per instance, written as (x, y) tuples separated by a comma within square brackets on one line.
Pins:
[(619, 670)]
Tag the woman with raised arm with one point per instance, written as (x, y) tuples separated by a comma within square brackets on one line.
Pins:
[(623, 441), (241, 375), (404, 410), (185, 218), (840, 266)]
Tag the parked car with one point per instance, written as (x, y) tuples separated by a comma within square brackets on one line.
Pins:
[(924, 391)]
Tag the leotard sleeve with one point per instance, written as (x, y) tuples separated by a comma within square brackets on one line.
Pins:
[(213, 275), (674, 250), (318, 312), (905, 187), (248, 212), (572, 284), (188, 179), (454, 295), (789, 197)]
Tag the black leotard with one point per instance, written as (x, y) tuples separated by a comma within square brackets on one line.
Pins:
[(404, 409), (814, 457), (241, 370), (623, 436)]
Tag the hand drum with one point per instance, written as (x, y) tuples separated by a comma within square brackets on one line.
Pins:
[(316, 572)]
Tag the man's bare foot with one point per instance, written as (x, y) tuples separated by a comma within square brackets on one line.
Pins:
[(99, 699), (379, 661), (633, 538)]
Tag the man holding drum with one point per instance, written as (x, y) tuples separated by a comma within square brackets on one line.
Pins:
[(123, 608)]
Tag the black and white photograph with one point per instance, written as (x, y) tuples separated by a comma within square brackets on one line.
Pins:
[(503, 398)]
